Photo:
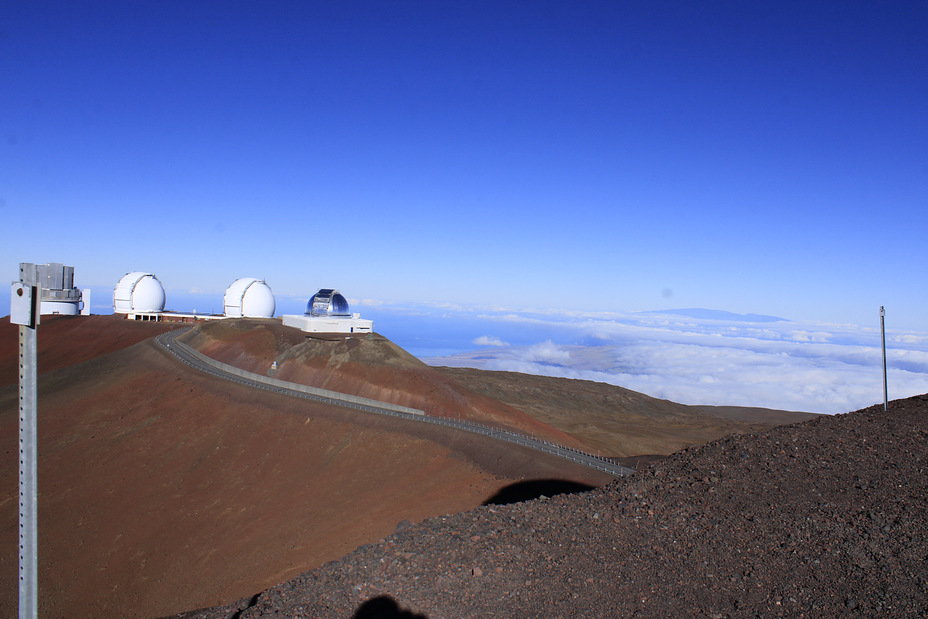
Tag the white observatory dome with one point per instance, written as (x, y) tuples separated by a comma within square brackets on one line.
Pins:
[(138, 292), (248, 297), (327, 302)]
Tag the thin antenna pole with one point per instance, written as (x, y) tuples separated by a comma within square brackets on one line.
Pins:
[(883, 335)]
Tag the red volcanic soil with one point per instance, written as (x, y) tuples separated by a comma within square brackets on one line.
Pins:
[(369, 366), (163, 489), (827, 518), (66, 340)]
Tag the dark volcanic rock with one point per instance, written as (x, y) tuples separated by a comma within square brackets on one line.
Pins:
[(817, 519)]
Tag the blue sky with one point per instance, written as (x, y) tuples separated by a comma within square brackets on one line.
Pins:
[(761, 157)]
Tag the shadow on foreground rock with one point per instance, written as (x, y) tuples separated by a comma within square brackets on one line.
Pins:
[(528, 490), (384, 607)]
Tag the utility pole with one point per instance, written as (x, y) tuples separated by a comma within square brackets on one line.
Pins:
[(24, 311), (883, 336)]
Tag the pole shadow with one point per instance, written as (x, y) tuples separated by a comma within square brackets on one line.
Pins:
[(384, 607)]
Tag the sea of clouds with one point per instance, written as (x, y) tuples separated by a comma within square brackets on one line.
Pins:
[(688, 356)]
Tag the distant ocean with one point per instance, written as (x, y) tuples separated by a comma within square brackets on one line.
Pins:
[(440, 335)]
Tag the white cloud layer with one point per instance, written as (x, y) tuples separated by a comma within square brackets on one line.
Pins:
[(821, 368)]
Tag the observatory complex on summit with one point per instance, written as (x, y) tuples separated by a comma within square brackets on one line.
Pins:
[(139, 295)]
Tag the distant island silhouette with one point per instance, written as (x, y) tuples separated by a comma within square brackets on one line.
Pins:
[(697, 312)]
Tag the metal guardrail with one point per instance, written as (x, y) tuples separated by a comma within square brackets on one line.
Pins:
[(201, 362)]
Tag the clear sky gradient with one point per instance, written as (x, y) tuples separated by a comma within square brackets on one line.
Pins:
[(755, 157)]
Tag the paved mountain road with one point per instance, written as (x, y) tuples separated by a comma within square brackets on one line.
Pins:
[(201, 362)]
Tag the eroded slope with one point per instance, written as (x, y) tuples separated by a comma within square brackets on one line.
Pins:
[(369, 366)]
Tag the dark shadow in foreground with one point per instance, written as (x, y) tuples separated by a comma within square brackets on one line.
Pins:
[(384, 607), (528, 490)]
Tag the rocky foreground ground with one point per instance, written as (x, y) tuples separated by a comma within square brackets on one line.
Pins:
[(820, 519)]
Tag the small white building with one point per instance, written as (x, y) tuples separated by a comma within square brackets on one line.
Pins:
[(328, 312), (57, 294)]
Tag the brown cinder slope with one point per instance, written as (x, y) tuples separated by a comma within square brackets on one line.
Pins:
[(615, 421), (162, 489), (369, 366), (826, 518)]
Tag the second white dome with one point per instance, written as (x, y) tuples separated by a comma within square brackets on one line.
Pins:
[(249, 297), (138, 292)]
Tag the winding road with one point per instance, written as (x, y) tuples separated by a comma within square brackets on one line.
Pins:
[(202, 363)]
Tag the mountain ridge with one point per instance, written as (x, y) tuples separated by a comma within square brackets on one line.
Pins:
[(710, 314)]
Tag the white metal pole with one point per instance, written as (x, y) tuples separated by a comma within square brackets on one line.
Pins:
[(24, 311), (28, 476), (883, 337)]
